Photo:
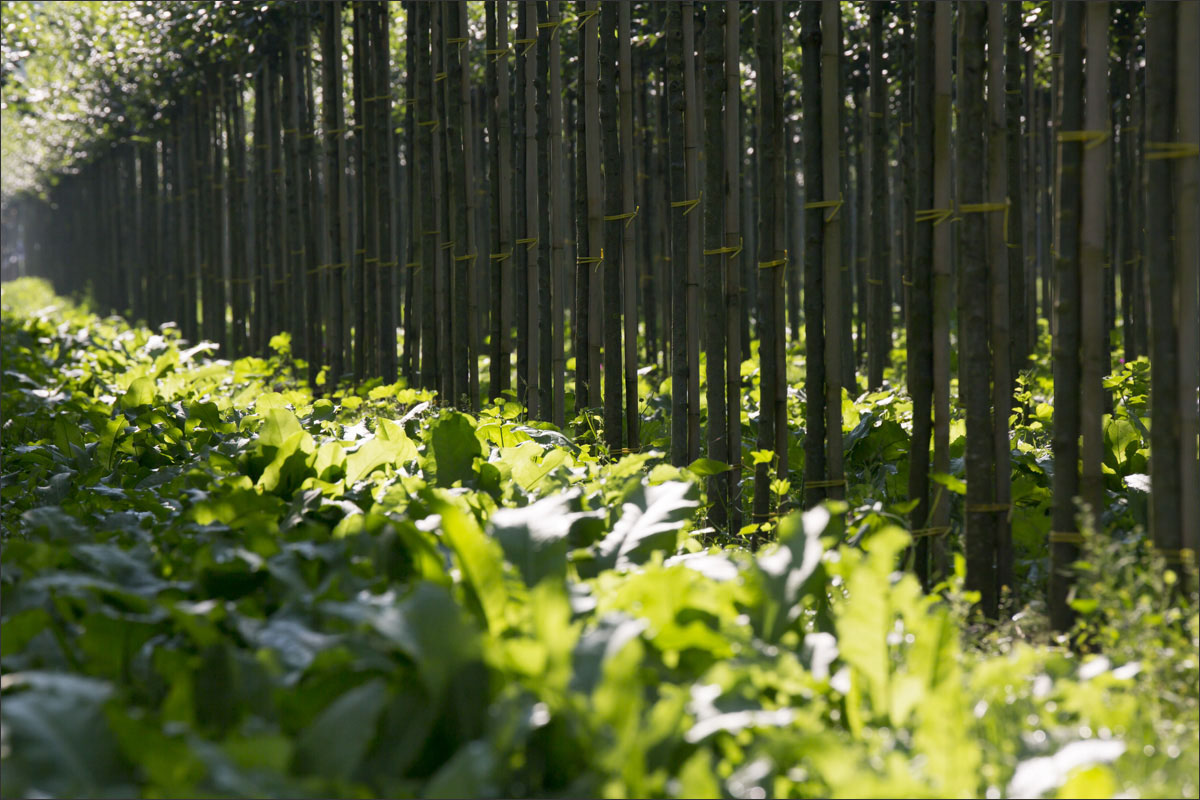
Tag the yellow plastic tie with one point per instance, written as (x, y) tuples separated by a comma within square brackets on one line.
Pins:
[(585, 16), (528, 242), (627, 216), (458, 40), (501, 256), (1066, 537), (987, 208), (689, 205), (779, 262), (921, 533), (875, 281), (439, 76), (1090, 139), (591, 259), (552, 26), (1157, 151), (432, 124), (467, 257), (935, 215), (825, 484), (527, 42), (448, 245), (497, 54), (836, 205), (987, 508)]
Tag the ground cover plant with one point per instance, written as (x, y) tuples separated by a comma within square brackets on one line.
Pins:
[(215, 584)]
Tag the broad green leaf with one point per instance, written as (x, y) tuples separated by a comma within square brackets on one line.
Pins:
[(454, 448), (429, 627), (534, 538), (336, 741), (60, 744), (956, 485), (291, 464), (790, 571), (480, 558), (650, 520), (140, 393), (279, 425), (391, 448)]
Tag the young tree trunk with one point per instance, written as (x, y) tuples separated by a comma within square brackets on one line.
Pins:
[(691, 155), (1187, 237), (1165, 448), (942, 276), (595, 198), (998, 220), (879, 286), (714, 279), (385, 164), (1093, 269), (581, 321), (628, 229), (815, 370), (1014, 141), (438, 236), (831, 139), (560, 218), (676, 135), (308, 173), (973, 313), (545, 234), (335, 193), (1064, 548), (733, 249), (920, 300), (613, 402), (769, 152)]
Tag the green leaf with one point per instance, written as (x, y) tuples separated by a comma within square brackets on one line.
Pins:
[(480, 558), (956, 485), (140, 393), (708, 466), (454, 448), (334, 744), (650, 520), (56, 730), (429, 627), (535, 538), (291, 464), (790, 571), (279, 426), (387, 447), (762, 456)]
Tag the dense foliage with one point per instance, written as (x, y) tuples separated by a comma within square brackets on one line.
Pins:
[(215, 584)]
